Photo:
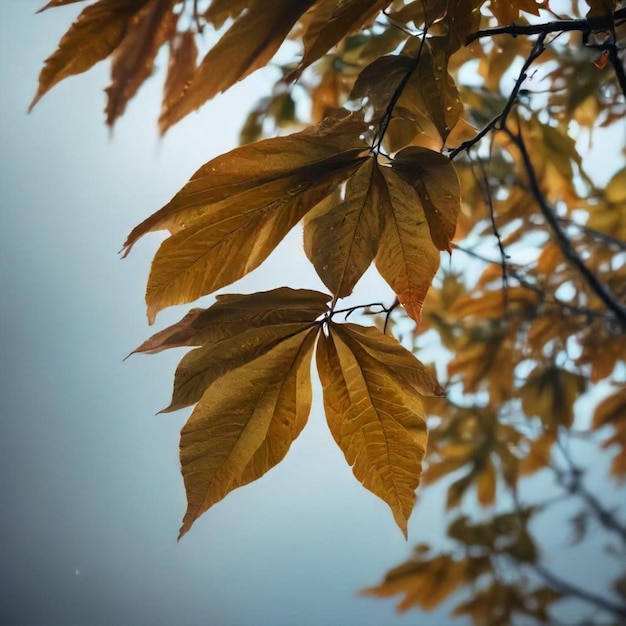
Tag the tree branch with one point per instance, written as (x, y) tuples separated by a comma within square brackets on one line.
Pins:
[(498, 122), (566, 588), (568, 250), (585, 25)]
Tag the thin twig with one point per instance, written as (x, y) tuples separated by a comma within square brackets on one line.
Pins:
[(386, 119), (498, 122), (585, 25), (564, 243), (609, 239), (571, 590)]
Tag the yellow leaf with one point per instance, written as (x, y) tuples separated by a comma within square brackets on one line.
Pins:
[(181, 66), (245, 423), (380, 428), (133, 60), (249, 44), (407, 258), (434, 178), (99, 29), (341, 240)]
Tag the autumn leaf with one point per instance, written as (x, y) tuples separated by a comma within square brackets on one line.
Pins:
[(249, 44), (434, 179), (327, 22), (379, 426), (245, 423), (407, 258), (220, 10), (58, 3), (232, 332), (426, 582), (132, 61), (550, 393), (237, 208), (181, 66), (97, 32), (342, 240), (232, 314)]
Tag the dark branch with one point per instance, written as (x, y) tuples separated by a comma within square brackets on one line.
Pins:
[(568, 250), (566, 588), (497, 123), (600, 22)]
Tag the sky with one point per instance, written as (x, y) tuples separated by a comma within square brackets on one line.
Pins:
[(90, 488)]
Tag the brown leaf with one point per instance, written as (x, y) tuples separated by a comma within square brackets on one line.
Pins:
[(328, 22), (245, 423), (435, 180), (97, 32), (380, 428), (231, 313), (220, 10), (133, 60), (407, 258), (249, 44), (336, 141), (234, 222), (341, 240), (181, 66), (431, 91), (58, 3)]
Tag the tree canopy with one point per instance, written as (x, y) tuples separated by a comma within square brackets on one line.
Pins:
[(400, 133)]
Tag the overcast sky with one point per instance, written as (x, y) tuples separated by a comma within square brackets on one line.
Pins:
[(90, 489)]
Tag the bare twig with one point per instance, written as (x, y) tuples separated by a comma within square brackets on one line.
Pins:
[(600, 22), (498, 122), (564, 243), (566, 588)]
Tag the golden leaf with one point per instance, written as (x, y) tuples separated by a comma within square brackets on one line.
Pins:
[(245, 423), (379, 426), (407, 258), (133, 60), (249, 44), (97, 32), (342, 240)]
